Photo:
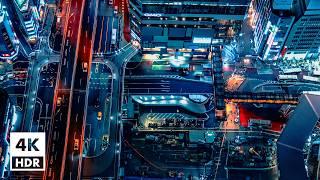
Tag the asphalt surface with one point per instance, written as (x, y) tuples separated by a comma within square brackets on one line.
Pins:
[(110, 158), (98, 101), (32, 86), (103, 36), (44, 100), (58, 137), (78, 106), (92, 165)]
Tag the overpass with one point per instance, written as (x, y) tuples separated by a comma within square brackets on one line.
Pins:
[(271, 92), (288, 87), (64, 152), (261, 97)]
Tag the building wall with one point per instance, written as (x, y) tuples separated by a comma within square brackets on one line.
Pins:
[(9, 44), (304, 36), (5, 121), (28, 17), (291, 29), (277, 35), (262, 13)]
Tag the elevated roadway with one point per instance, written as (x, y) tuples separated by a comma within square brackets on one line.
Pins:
[(66, 133), (274, 92)]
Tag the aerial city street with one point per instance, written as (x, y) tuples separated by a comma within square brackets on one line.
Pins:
[(161, 89)]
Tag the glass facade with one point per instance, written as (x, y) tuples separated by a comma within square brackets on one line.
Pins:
[(28, 17), (8, 43), (262, 12), (305, 35)]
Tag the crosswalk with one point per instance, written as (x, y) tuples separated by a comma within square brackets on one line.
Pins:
[(146, 87), (156, 76)]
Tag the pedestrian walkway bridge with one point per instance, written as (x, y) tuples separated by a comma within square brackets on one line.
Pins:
[(261, 97)]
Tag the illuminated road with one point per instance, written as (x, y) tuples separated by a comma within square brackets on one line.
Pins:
[(77, 109), (64, 99), (105, 162), (33, 88), (110, 157)]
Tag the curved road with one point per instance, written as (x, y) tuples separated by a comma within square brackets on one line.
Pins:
[(110, 157)]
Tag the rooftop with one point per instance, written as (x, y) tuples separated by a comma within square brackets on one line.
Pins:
[(180, 101), (313, 7), (22, 4), (313, 4)]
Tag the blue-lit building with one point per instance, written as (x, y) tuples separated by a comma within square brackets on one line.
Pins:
[(261, 16), (29, 18), (9, 44), (276, 33), (304, 36), (6, 112), (286, 28), (185, 26), (271, 27)]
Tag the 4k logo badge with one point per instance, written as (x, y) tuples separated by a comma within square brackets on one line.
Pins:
[(27, 151)]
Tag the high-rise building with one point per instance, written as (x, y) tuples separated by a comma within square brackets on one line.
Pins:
[(9, 44), (261, 16), (277, 32), (304, 37), (167, 26), (271, 27), (28, 16), (6, 109)]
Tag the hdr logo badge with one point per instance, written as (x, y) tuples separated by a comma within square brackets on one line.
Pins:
[(27, 151)]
